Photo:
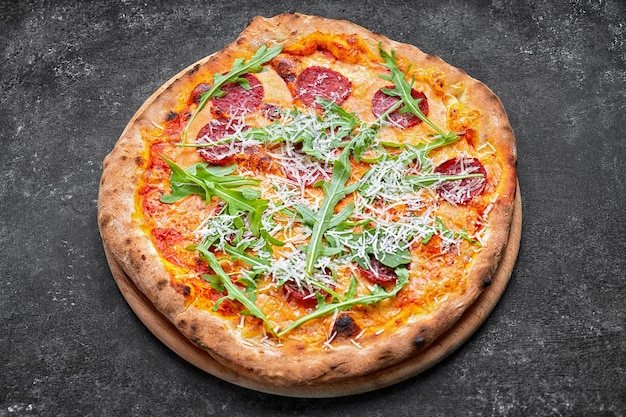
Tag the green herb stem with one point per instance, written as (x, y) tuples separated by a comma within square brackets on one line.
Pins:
[(240, 67)]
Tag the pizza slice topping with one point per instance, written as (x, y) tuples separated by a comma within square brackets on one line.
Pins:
[(240, 97), (378, 273), (337, 224), (322, 82), (210, 134), (462, 191), (383, 102), (240, 68)]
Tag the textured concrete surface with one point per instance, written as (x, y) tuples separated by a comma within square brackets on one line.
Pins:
[(73, 73)]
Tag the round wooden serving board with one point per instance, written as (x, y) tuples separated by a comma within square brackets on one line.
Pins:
[(445, 345)]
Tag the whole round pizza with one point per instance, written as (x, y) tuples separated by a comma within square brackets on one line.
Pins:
[(314, 202)]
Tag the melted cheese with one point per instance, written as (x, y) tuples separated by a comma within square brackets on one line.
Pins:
[(402, 218)]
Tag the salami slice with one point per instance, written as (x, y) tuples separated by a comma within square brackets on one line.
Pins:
[(461, 192), (378, 273), (196, 94), (301, 295), (382, 102), (239, 100), (322, 82), (222, 154)]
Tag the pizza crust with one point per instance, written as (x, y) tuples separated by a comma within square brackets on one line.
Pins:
[(296, 363)]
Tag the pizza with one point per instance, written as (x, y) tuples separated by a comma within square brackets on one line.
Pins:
[(314, 202)]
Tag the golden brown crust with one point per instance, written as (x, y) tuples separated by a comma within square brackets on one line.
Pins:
[(132, 247)]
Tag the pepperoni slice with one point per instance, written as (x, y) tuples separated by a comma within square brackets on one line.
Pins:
[(322, 82), (196, 94), (461, 192), (382, 102), (300, 295), (237, 99), (211, 132), (378, 273)]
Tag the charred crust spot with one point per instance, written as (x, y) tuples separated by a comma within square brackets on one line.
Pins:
[(161, 284), (124, 158), (194, 69), (419, 342), (128, 241), (171, 115), (193, 328), (486, 282), (345, 326), (285, 68), (139, 161), (182, 323), (105, 219), (143, 257)]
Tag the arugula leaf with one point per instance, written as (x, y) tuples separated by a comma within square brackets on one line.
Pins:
[(426, 180), (392, 256), (402, 90), (200, 179), (440, 229), (377, 295), (240, 67), (420, 152), (233, 292), (334, 192), (257, 264)]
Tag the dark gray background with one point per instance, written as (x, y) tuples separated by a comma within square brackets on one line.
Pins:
[(72, 74)]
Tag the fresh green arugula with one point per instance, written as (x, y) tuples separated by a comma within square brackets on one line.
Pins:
[(222, 281), (402, 90), (208, 181), (325, 218), (233, 292), (239, 68), (377, 295), (427, 180), (439, 228), (420, 152)]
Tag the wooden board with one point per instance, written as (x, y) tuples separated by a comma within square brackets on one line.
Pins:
[(444, 346)]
